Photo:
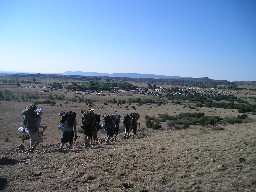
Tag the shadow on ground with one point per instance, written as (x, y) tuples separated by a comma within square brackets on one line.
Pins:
[(3, 183), (8, 161)]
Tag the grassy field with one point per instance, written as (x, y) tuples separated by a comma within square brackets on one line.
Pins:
[(198, 158)]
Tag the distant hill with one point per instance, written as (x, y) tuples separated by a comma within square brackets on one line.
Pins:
[(3, 73), (129, 75)]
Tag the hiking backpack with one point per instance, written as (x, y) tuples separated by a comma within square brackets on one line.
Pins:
[(88, 120), (127, 120), (135, 115), (97, 121), (68, 118), (29, 117), (108, 120)]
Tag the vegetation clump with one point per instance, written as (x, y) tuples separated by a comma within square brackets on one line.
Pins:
[(185, 120)]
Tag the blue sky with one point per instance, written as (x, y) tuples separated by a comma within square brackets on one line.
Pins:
[(187, 38)]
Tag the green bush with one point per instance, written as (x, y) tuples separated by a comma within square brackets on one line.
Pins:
[(149, 123), (6, 95), (184, 120), (233, 120), (147, 117), (163, 117), (46, 102), (243, 116), (238, 119), (156, 125), (209, 120)]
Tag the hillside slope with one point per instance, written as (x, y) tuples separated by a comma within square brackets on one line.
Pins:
[(196, 159)]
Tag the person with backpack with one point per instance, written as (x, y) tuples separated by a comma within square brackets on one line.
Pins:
[(116, 126), (89, 126), (68, 128), (97, 128), (127, 124), (134, 123), (108, 127), (32, 123)]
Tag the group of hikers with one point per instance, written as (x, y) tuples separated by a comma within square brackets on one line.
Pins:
[(91, 124)]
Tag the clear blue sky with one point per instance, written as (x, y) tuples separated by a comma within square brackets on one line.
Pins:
[(187, 38)]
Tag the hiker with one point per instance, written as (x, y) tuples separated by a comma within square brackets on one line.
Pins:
[(88, 126), (127, 125), (108, 127), (68, 127), (116, 126), (134, 126), (94, 127), (32, 122), (134, 123)]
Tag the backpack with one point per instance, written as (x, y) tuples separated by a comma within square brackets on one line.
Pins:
[(29, 117), (97, 121), (117, 119), (108, 120), (135, 115), (134, 119), (127, 120), (68, 118), (88, 120)]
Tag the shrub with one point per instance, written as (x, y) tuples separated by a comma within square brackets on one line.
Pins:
[(171, 124), (6, 139), (163, 117), (147, 117), (6, 95), (149, 123), (209, 120), (46, 102), (233, 120), (156, 125), (238, 119), (243, 116)]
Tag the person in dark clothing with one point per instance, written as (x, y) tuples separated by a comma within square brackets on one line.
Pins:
[(68, 127), (116, 126), (127, 125)]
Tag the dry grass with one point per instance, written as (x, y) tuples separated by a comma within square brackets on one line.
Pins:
[(186, 160), (195, 159)]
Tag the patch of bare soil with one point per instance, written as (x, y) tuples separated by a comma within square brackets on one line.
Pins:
[(195, 159)]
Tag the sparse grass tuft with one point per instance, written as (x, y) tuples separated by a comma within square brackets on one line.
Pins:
[(204, 130), (6, 139)]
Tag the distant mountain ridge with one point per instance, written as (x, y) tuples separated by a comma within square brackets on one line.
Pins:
[(129, 75), (113, 75)]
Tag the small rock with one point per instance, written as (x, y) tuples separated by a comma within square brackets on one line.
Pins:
[(38, 173), (222, 167), (90, 177), (241, 159), (127, 185)]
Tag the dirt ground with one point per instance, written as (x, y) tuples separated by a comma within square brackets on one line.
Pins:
[(195, 159)]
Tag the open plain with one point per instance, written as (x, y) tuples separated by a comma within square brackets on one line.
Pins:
[(218, 157)]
